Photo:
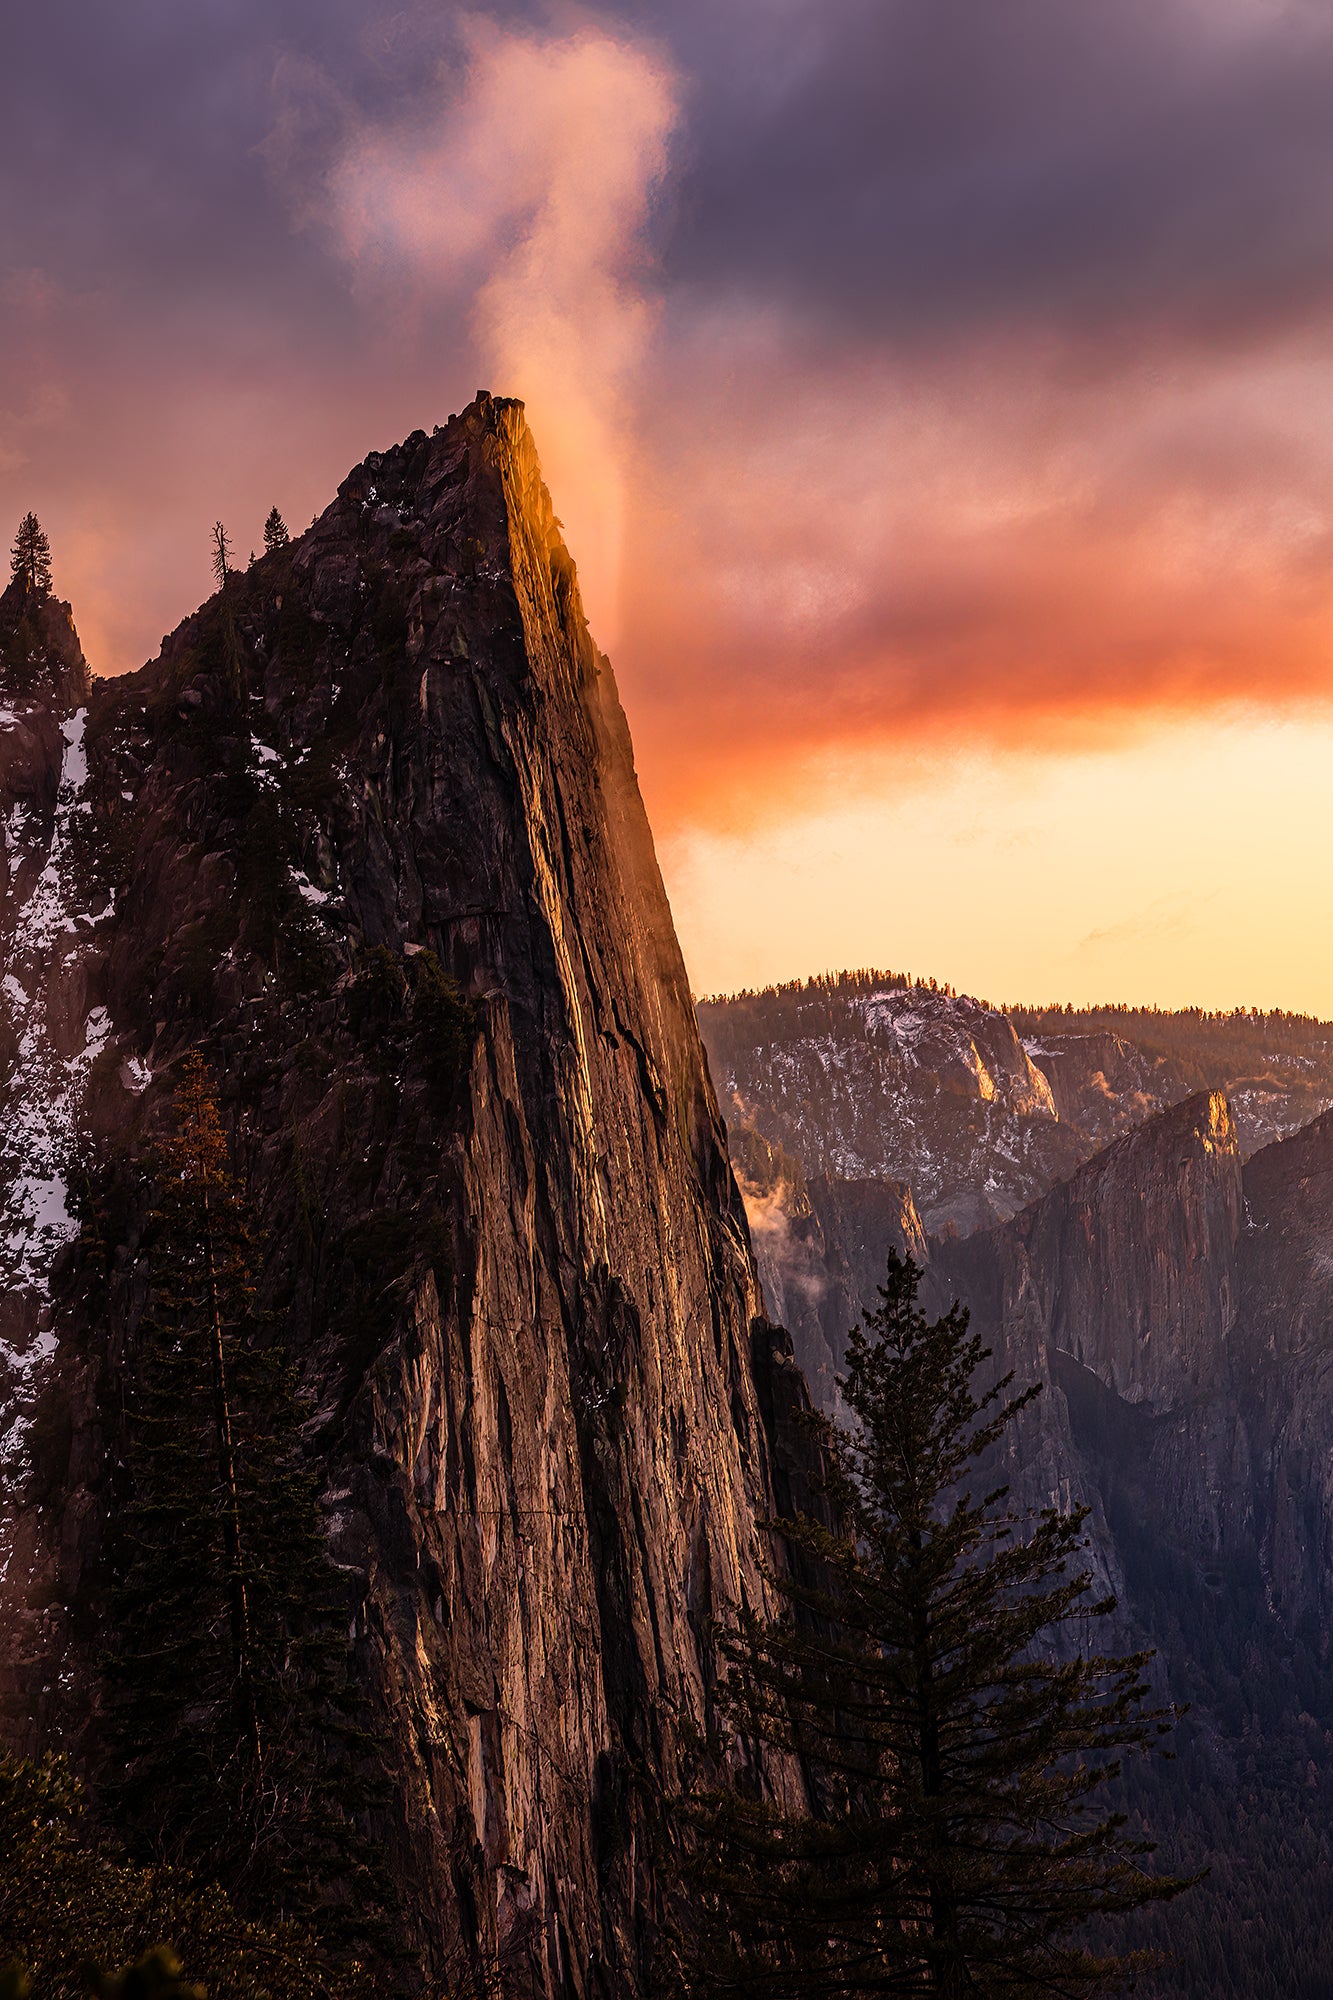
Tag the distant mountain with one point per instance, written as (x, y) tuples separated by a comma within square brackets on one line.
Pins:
[(868, 1076), (1177, 1303), (978, 1109)]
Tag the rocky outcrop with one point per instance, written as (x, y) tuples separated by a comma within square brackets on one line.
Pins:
[(522, 1301), (864, 1079), (820, 1247), (1105, 1085), (1129, 1268), (40, 655)]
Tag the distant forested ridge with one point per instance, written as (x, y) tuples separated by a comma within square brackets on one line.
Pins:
[(981, 1108)]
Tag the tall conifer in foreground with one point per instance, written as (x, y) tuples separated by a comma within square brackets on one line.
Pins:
[(232, 1704), (953, 1748)]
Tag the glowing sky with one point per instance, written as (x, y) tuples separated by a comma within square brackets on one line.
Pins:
[(938, 395)]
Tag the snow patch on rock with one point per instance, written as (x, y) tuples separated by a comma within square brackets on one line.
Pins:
[(899, 1082), (56, 1040)]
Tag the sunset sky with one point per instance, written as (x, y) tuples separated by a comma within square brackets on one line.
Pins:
[(938, 396)]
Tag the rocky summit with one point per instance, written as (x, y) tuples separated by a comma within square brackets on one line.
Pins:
[(367, 834)]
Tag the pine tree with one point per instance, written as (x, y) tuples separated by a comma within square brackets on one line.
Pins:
[(275, 532), (233, 1710), (922, 1690), (221, 554), (30, 558)]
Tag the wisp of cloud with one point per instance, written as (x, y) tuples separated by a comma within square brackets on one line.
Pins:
[(534, 180)]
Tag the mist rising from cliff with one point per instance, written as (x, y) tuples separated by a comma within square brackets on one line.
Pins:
[(538, 176)]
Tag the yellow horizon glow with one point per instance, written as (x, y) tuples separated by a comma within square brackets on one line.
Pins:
[(1191, 867)]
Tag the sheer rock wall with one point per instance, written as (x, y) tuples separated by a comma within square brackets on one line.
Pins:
[(525, 1307)]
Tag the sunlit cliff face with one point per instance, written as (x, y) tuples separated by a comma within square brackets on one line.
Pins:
[(936, 400)]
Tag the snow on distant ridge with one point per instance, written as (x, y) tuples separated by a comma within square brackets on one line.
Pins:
[(907, 1082), (941, 1030)]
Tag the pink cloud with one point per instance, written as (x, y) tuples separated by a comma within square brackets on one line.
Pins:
[(532, 186)]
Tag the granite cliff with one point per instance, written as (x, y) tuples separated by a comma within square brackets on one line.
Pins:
[(870, 1076), (1178, 1304), (368, 833), (1129, 1268)]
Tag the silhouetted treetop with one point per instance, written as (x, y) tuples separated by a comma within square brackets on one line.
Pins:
[(30, 558)]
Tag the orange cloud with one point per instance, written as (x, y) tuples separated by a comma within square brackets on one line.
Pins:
[(968, 551), (811, 546)]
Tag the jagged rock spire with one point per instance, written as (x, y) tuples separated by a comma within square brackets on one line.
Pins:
[(40, 654), (387, 758)]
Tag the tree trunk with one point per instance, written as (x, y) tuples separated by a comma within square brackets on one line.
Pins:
[(239, 1604), (949, 1973)]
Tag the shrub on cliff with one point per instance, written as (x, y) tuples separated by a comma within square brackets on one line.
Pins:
[(68, 1900)]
